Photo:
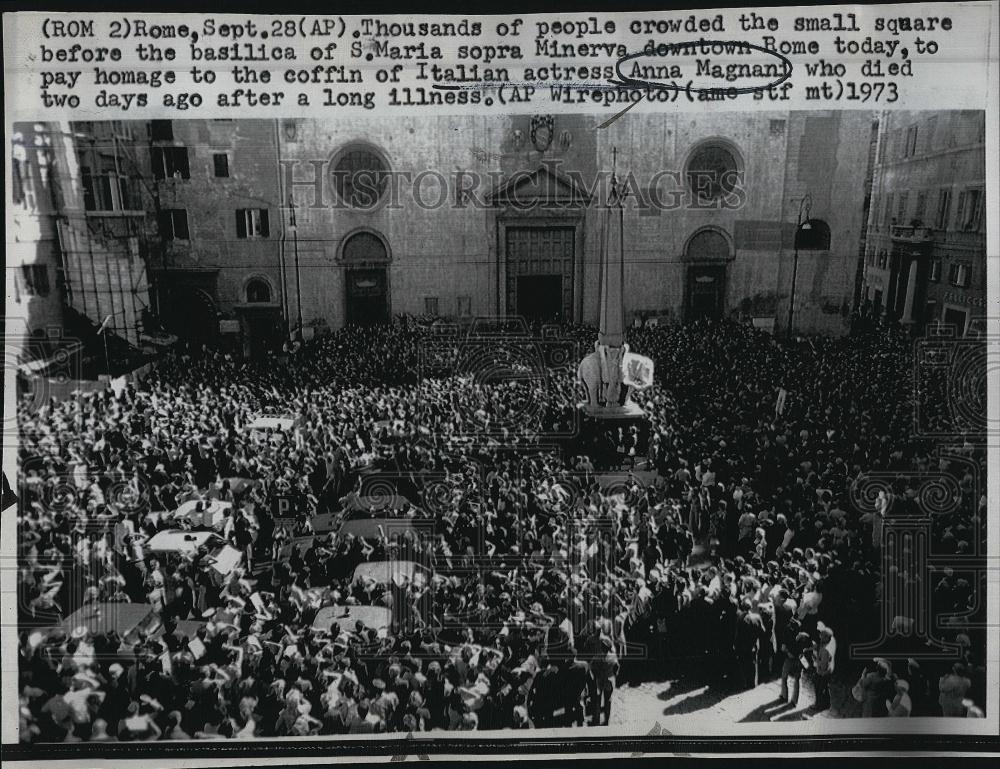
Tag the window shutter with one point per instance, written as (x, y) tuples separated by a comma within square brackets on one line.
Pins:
[(976, 214), (158, 168), (161, 130), (181, 162), (241, 223), (165, 223), (181, 224), (264, 230)]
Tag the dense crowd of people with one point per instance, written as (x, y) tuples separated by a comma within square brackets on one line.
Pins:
[(741, 543)]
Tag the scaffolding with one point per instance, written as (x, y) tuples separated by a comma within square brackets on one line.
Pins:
[(105, 232)]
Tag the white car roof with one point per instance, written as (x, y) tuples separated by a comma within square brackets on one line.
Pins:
[(272, 422), (179, 541), (212, 505)]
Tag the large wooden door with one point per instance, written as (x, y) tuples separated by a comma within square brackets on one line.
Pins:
[(539, 297), (706, 292), (367, 297), (540, 271)]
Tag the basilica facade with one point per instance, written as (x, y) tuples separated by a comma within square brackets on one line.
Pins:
[(244, 230), (484, 215)]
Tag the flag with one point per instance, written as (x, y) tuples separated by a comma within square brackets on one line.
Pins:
[(118, 384), (637, 371)]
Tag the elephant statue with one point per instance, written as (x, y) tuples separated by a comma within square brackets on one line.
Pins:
[(601, 375), (589, 374)]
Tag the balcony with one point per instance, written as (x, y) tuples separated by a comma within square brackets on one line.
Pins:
[(110, 213), (911, 234)]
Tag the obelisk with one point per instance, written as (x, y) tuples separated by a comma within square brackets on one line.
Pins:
[(602, 371)]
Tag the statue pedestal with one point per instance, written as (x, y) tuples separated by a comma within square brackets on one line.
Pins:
[(628, 411), (600, 432)]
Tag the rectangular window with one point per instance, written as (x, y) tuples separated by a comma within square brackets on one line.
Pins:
[(174, 224), (955, 318), (221, 160), (959, 275), (930, 311), (943, 208), (252, 223), (17, 173), (464, 306), (108, 191), (911, 142), (935, 271), (36, 279), (887, 212), (901, 208), (918, 214), (430, 305), (170, 163), (161, 130), (971, 213)]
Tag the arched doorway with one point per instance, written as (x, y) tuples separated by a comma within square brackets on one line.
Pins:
[(707, 254), (365, 256), (261, 317), (191, 314)]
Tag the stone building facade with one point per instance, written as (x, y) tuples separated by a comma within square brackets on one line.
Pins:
[(253, 228), (504, 215), (925, 260), (32, 265), (78, 236), (218, 278)]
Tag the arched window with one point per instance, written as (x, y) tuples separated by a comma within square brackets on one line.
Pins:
[(708, 245), (364, 246), (360, 176), (713, 171), (258, 290), (814, 235)]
